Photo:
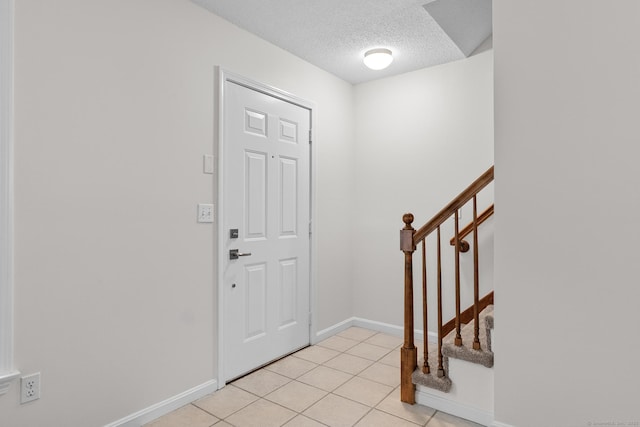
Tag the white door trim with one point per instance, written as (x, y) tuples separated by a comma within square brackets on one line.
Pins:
[(7, 370), (222, 77)]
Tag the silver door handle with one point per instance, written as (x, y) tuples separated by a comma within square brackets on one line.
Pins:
[(235, 254)]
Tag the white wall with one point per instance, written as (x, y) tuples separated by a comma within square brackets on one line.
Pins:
[(422, 138), (567, 96), (115, 295)]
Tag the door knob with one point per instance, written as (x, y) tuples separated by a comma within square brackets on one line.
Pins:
[(235, 254)]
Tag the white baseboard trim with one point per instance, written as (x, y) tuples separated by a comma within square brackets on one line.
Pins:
[(455, 408), (159, 409), (332, 330), (6, 379), (374, 325), (385, 328), (499, 424)]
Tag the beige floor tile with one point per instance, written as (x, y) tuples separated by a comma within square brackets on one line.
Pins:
[(225, 402), (296, 396), (381, 373), (440, 419), (392, 359), (302, 421), (291, 367), (381, 419), (261, 382), (369, 351), (317, 354), (336, 411), (338, 343), (325, 378), (261, 413), (384, 340), (348, 363), (187, 416), (415, 413), (358, 334), (222, 424), (364, 391)]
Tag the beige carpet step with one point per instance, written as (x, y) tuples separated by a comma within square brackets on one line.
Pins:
[(431, 380), (484, 356)]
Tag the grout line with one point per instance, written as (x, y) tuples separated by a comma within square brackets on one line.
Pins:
[(431, 417), (362, 417), (204, 410), (326, 393)]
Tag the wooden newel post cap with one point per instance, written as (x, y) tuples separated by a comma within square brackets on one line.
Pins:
[(407, 219), (406, 234)]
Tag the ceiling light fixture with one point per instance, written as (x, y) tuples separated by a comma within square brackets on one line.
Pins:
[(378, 59)]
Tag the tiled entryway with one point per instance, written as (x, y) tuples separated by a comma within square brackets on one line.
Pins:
[(350, 379)]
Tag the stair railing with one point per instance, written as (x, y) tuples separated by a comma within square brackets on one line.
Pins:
[(409, 240)]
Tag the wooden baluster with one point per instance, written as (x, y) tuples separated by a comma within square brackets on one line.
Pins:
[(476, 280), (425, 365), (441, 372), (458, 339), (408, 353)]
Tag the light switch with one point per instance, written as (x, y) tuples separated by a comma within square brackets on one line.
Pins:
[(205, 212), (208, 164)]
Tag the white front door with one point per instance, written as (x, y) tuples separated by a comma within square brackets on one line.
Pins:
[(266, 220)]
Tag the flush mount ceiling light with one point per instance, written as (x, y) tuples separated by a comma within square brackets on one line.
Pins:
[(378, 59)]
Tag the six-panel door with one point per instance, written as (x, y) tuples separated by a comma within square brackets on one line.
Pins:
[(266, 197)]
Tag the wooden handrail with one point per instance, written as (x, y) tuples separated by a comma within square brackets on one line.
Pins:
[(454, 205), (464, 246)]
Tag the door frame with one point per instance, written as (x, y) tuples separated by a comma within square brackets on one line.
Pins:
[(8, 372), (222, 76)]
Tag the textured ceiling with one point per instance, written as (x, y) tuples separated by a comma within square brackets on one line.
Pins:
[(334, 34)]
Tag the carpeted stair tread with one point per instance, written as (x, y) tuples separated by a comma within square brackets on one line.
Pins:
[(484, 356), (488, 316), (431, 380), (465, 352)]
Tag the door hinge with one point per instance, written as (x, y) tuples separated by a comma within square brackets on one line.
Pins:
[(310, 316), (309, 136), (309, 228)]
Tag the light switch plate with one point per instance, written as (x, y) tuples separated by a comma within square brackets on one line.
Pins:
[(208, 164), (205, 212)]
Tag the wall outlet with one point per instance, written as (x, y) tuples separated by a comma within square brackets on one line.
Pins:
[(30, 388)]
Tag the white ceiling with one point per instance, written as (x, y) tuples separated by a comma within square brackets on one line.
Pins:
[(334, 34)]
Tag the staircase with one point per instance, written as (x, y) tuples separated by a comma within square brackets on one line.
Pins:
[(454, 372), (483, 357)]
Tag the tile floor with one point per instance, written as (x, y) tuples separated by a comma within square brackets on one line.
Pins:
[(350, 379)]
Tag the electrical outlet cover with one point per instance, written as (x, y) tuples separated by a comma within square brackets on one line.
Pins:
[(30, 388)]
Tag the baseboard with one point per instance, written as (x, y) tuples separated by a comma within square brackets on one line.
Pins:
[(6, 378), (159, 409), (332, 330), (499, 424), (374, 325), (455, 408)]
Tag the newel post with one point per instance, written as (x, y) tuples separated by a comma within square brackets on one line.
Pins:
[(408, 353)]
